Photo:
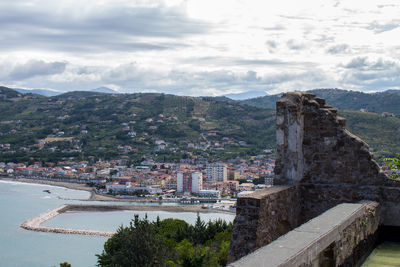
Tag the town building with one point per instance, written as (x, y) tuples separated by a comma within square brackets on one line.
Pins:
[(216, 172), (189, 181), (209, 193)]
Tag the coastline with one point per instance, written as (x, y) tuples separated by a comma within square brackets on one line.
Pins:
[(93, 195), (75, 186)]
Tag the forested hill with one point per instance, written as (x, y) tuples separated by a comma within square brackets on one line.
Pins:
[(82, 125), (387, 101)]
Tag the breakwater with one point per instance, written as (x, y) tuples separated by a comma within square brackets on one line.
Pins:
[(34, 224)]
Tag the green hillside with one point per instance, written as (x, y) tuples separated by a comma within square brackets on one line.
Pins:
[(387, 101), (381, 133), (89, 125), (84, 124)]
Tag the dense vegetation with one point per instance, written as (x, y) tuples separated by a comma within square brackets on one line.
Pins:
[(394, 165), (387, 101), (170, 242), (381, 133), (85, 124), (92, 125)]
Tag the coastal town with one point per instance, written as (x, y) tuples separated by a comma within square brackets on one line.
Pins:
[(190, 178)]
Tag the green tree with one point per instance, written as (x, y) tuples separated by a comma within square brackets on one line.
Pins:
[(136, 245), (170, 242), (394, 164)]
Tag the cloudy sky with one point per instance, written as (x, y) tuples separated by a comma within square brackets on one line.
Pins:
[(200, 47)]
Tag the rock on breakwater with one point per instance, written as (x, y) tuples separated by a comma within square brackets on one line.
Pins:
[(34, 223)]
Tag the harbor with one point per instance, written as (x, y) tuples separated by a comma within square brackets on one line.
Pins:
[(35, 223)]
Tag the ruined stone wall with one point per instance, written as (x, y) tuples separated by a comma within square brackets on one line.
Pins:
[(330, 165), (324, 165), (262, 217)]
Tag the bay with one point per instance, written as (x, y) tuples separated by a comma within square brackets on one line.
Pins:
[(21, 201)]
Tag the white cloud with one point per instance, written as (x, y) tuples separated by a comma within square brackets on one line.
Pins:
[(200, 47)]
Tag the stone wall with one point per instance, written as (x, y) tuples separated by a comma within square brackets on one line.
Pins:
[(328, 163), (262, 217), (341, 236), (324, 165)]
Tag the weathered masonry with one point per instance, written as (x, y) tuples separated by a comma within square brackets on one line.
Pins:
[(319, 166)]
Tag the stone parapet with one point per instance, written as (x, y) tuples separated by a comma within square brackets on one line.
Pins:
[(262, 217), (339, 237)]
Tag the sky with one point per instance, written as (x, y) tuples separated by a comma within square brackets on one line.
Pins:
[(200, 47)]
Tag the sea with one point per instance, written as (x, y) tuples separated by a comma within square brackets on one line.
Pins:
[(20, 247)]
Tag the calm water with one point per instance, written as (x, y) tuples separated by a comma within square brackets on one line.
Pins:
[(386, 254), (19, 247)]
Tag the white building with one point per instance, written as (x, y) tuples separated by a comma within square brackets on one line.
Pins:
[(118, 188), (197, 182), (216, 172), (209, 193), (189, 181)]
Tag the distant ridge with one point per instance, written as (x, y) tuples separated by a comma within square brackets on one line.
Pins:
[(6, 92), (387, 101), (43, 92), (246, 95), (50, 93), (105, 90)]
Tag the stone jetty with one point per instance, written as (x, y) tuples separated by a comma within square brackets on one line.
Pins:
[(35, 222)]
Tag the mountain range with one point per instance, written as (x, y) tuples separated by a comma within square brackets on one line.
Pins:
[(48, 93)]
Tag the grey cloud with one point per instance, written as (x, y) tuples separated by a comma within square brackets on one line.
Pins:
[(296, 17), (229, 61), (193, 83), (271, 45), (339, 49), (379, 28), (112, 28), (277, 27), (261, 62), (324, 38), (363, 63), (356, 63), (134, 78), (34, 68), (295, 45), (387, 5), (371, 74)]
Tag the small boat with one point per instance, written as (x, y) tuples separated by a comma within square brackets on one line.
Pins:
[(47, 191), (204, 207)]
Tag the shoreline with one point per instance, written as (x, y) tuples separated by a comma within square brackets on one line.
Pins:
[(68, 185), (93, 195), (75, 186)]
